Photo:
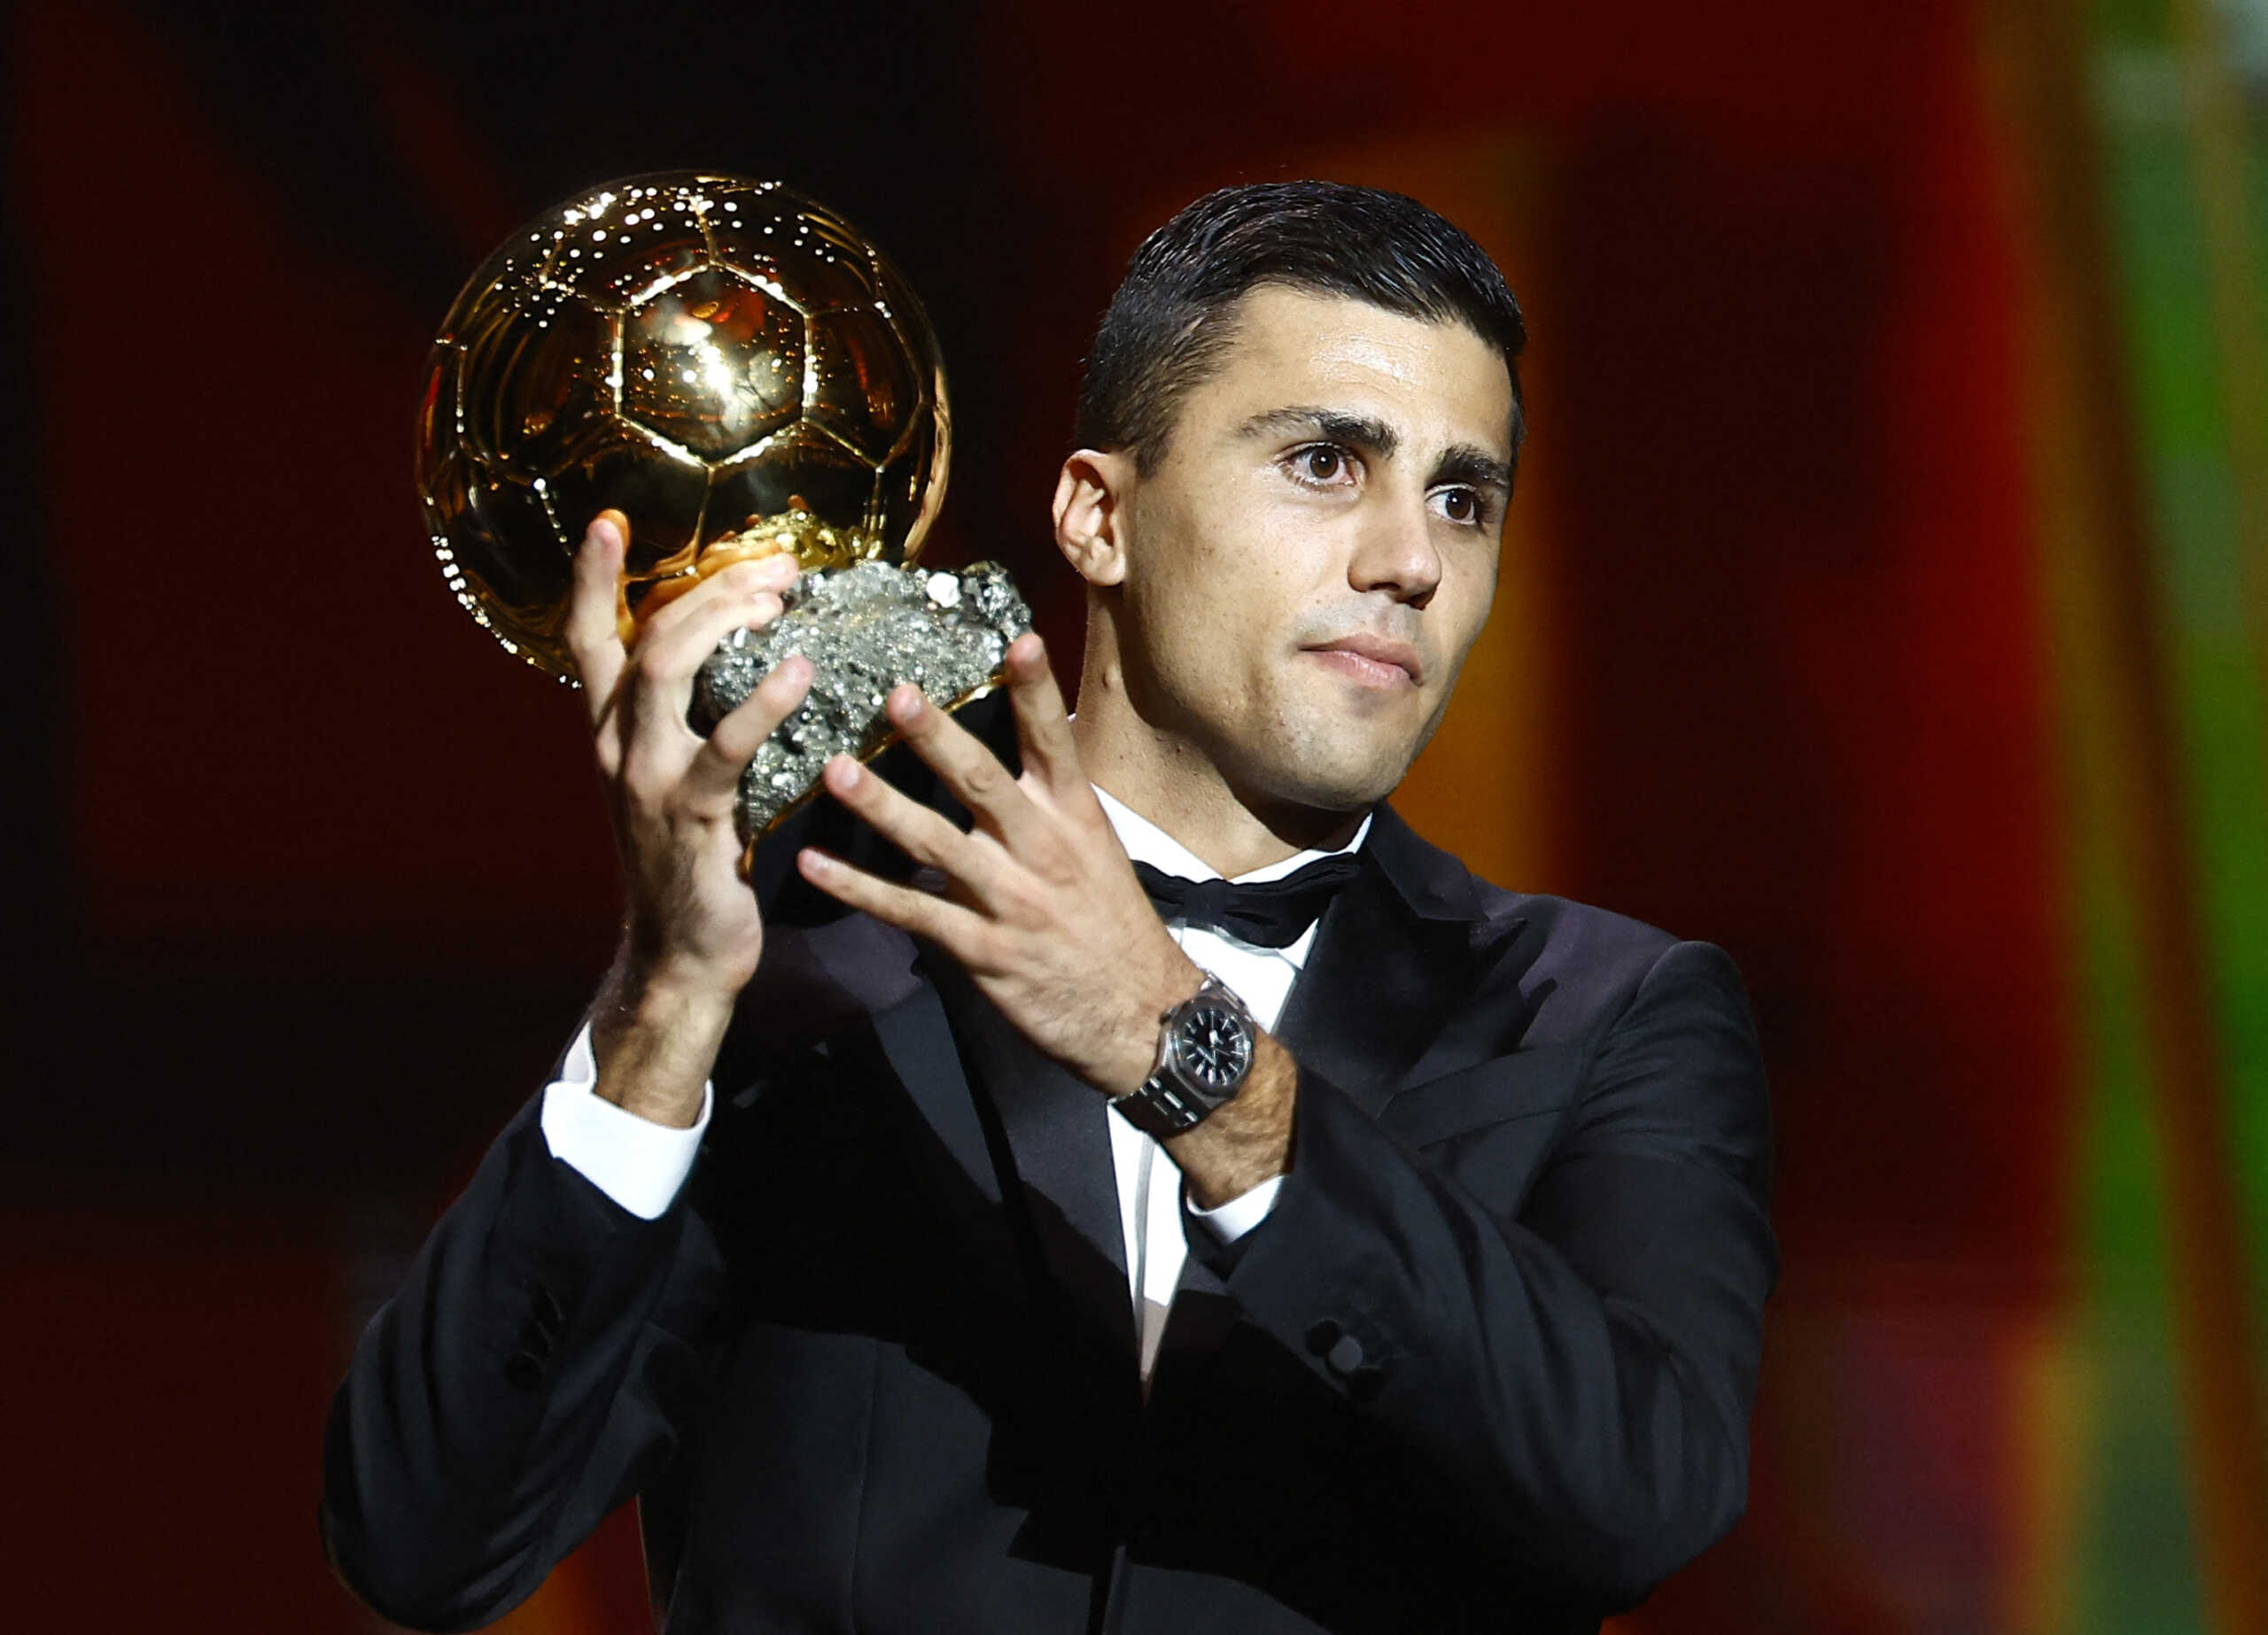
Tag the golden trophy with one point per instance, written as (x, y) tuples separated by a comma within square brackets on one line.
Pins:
[(739, 372)]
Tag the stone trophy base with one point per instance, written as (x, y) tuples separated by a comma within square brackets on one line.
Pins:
[(865, 627)]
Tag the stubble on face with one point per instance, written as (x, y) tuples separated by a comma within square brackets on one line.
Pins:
[(1309, 564)]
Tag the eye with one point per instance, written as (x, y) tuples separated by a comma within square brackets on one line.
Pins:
[(1461, 506), (1320, 465)]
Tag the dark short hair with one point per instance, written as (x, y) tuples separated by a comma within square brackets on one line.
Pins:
[(1165, 327)]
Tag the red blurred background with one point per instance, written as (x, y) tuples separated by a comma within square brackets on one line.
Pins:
[(1813, 635)]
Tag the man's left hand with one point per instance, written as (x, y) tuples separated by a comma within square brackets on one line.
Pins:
[(1041, 908)]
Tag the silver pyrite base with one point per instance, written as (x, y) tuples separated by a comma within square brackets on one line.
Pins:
[(864, 628)]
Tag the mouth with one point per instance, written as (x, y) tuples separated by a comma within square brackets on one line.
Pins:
[(1374, 661)]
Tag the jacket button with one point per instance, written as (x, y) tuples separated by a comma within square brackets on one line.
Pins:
[(1322, 1336), (523, 1370), (1344, 1358)]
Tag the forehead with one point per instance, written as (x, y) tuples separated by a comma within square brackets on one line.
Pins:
[(1435, 382)]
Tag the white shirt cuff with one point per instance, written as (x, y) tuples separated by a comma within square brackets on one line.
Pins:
[(636, 1162), (1232, 1220)]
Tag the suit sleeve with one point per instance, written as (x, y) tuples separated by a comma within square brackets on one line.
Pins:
[(528, 1376), (1582, 1374)]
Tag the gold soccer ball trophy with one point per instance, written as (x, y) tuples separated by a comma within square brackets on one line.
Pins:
[(737, 370)]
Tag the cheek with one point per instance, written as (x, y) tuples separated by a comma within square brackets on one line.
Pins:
[(1226, 590), (1468, 592), (1244, 587), (1286, 572)]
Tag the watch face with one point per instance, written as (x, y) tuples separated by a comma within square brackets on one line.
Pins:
[(1213, 1048)]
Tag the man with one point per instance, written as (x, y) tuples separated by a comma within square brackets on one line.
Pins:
[(953, 1252)]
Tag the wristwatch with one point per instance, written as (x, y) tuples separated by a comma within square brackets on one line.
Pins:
[(1205, 1053)]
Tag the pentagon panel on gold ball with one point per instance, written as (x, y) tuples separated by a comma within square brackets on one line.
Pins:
[(737, 370)]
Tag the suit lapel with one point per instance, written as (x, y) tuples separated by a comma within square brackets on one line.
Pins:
[(1053, 1143), (1396, 959), (1027, 1136), (918, 1042), (1387, 999)]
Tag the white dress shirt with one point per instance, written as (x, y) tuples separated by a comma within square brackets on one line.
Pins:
[(641, 1165)]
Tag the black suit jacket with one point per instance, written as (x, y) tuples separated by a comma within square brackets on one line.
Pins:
[(1487, 1364)]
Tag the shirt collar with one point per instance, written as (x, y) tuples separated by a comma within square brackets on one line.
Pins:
[(1146, 842)]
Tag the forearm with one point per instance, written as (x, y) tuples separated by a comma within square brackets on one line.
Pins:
[(496, 1405), (655, 1032), (1602, 1441), (1247, 1140), (1556, 1317), (466, 1448)]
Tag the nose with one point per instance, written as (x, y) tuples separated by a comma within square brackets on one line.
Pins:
[(1395, 553)]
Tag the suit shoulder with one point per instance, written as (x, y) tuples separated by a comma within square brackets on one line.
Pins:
[(1583, 931), (1592, 962)]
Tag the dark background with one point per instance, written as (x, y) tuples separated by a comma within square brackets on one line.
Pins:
[(313, 880)]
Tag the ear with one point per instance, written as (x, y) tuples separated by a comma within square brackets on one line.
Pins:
[(1090, 513)]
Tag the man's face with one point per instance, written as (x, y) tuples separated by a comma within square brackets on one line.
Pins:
[(1309, 564)]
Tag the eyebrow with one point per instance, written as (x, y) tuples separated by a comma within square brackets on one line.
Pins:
[(1461, 463), (1362, 432), (1474, 467)]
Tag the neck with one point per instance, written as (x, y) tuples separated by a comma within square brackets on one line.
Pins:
[(1176, 785)]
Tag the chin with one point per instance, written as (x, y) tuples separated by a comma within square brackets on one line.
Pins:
[(1341, 778)]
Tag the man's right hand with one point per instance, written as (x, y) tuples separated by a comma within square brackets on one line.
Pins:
[(691, 933)]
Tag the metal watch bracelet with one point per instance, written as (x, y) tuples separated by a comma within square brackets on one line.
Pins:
[(1171, 1101)]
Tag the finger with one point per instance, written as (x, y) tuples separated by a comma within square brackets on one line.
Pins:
[(969, 771), (664, 662), (1043, 725), (959, 931), (743, 597), (674, 600), (922, 833), (593, 639), (713, 777)]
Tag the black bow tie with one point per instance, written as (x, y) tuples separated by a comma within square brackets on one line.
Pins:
[(1271, 914)]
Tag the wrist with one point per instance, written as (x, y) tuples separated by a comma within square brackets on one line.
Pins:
[(1207, 1050), (1249, 1139), (654, 1034), (663, 986), (1134, 1053), (649, 958)]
